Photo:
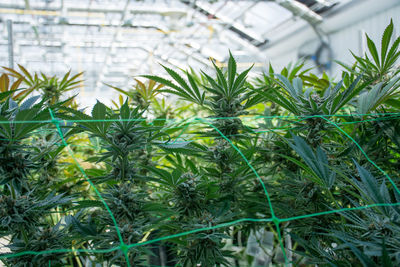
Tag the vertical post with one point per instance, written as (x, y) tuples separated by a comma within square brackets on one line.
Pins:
[(361, 42), (10, 44)]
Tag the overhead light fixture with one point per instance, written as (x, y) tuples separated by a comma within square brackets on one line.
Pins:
[(301, 10)]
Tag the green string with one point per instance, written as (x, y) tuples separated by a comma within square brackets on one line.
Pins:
[(122, 244), (102, 251), (246, 160), (273, 219), (181, 132), (216, 118), (365, 154), (193, 121), (339, 211), (222, 225)]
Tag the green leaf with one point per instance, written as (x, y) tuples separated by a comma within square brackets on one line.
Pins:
[(369, 186), (179, 144), (318, 162), (84, 229), (27, 74), (277, 98), (240, 80), (392, 55), (195, 88), (178, 79), (99, 111), (221, 79), (288, 87), (393, 102), (364, 259), (4, 95), (218, 89), (118, 89), (163, 81), (348, 94), (372, 50), (386, 260), (314, 178), (387, 35), (64, 80), (83, 204), (184, 91), (231, 71)]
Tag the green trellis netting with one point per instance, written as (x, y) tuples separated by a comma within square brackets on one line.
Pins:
[(209, 122)]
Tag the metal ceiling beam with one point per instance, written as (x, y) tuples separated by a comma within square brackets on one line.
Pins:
[(319, 6), (233, 27), (57, 11), (132, 26)]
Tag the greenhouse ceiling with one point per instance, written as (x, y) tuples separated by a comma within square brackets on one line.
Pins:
[(112, 40)]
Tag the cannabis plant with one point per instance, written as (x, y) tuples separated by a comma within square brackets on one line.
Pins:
[(16, 161), (227, 96), (379, 66), (50, 88), (310, 179), (142, 94)]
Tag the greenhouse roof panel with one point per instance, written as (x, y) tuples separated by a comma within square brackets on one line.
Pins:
[(99, 35)]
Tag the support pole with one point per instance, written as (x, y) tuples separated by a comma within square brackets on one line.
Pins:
[(10, 44)]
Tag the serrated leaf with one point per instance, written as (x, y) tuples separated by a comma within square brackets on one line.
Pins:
[(4, 82), (99, 111), (178, 144), (373, 51), (387, 35), (29, 102), (231, 71)]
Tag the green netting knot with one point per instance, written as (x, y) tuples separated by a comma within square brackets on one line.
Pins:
[(275, 220), (124, 248)]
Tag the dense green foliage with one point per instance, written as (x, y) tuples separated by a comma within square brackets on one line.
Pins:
[(268, 154)]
